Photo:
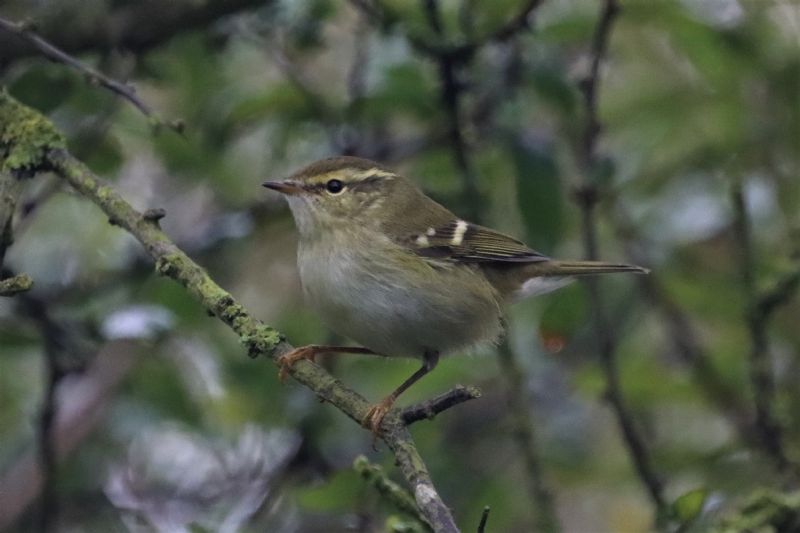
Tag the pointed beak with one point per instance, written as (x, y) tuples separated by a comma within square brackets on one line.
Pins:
[(283, 187)]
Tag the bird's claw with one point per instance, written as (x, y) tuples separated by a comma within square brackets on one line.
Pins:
[(288, 360), (374, 417)]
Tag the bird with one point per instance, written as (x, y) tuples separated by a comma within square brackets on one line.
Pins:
[(386, 266)]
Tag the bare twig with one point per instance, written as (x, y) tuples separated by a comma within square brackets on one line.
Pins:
[(484, 519), (130, 26), (451, 90), (456, 53), (427, 410), (519, 408), (682, 333), (48, 513), (127, 92), (391, 491), (587, 197), (759, 310)]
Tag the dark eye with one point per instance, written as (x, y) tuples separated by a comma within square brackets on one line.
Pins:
[(334, 186)]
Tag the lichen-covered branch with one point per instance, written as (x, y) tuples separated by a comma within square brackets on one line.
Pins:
[(15, 284), (171, 261), (389, 490)]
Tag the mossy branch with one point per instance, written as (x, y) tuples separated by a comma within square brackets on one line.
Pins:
[(16, 284), (393, 493), (171, 261)]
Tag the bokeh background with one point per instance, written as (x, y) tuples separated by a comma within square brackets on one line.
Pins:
[(166, 424)]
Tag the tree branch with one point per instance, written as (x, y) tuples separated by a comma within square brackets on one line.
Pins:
[(519, 408), (83, 400), (428, 410), (682, 333), (15, 284), (757, 315), (391, 491), (440, 48), (587, 197), (125, 91), (134, 26), (451, 90)]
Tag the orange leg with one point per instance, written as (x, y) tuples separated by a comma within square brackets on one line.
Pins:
[(374, 416), (310, 353)]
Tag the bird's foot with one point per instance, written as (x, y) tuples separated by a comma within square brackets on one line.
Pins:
[(375, 415), (286, 361)]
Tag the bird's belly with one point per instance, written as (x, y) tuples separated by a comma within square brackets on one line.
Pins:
[(380, 307)]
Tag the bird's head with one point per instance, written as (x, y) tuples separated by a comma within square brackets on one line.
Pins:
[(339, 192)]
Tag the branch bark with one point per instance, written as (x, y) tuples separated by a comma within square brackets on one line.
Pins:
[(428, 410), (15, 284)]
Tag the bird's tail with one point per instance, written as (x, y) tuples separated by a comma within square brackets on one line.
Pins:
[(582, 268), (541, 277)]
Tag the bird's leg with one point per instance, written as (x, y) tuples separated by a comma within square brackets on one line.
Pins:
[(310, 353), (376, 413)]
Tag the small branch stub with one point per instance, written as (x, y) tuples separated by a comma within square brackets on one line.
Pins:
[(430, 408), (15, 285)]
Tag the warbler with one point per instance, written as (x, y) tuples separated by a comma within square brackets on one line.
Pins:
[(388, 267)]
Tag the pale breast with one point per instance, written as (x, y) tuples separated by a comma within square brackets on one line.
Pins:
[(373, 299)]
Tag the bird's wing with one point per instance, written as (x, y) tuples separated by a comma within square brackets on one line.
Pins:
[(459, 240)]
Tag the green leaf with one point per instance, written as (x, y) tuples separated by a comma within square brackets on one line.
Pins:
[(688, 506), (539, 195)]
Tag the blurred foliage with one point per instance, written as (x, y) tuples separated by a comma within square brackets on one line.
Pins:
[(695, 95)]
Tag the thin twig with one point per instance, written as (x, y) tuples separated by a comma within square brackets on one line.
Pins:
[(757, 315), (82, 402), (56, 345), (519, 412), (135, 27), (124, 90), (460, 52), (48, 513), (427, 410), (451, 91), (682, 333), (484, 519), (587, 197)]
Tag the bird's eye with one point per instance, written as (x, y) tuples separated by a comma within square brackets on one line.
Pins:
[(334, 186)]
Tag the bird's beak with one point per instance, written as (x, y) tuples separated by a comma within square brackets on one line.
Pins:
[(283, 187)]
